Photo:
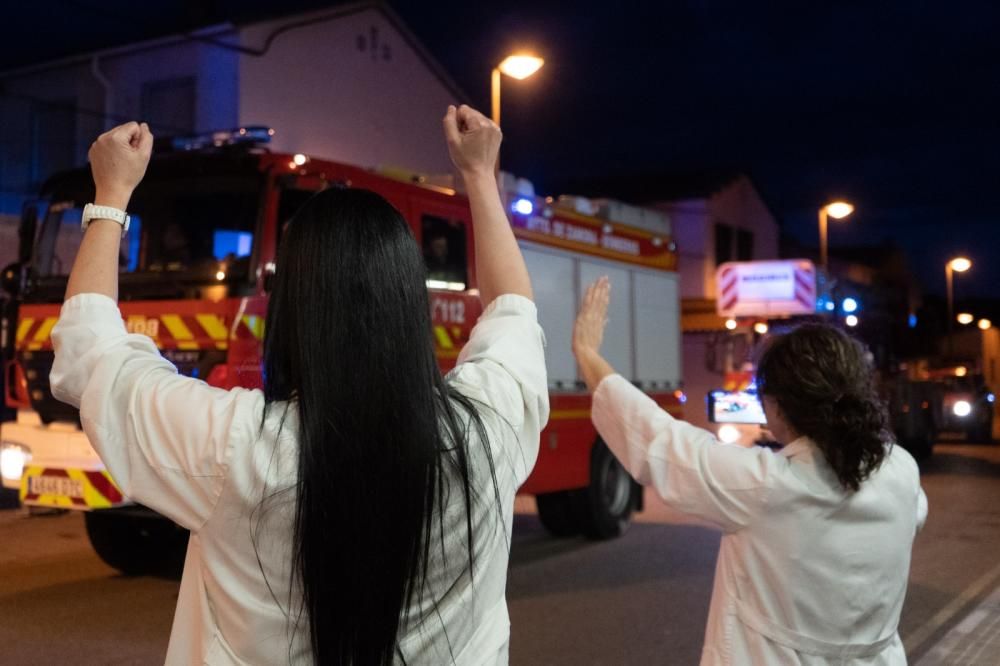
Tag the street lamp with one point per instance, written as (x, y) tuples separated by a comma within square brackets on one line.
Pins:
[(518, 66), (985, 324), (838, 210), (956, 265), (964, 318)]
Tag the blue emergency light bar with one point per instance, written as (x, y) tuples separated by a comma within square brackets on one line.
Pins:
[(255, 134)]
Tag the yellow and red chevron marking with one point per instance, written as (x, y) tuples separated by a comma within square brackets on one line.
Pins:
[(185, 325), (87, 489)]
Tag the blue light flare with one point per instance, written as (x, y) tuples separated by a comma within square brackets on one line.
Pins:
[(523, 206)]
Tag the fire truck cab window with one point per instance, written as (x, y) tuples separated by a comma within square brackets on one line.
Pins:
[(444, 249), (289, 203), (185, 225)]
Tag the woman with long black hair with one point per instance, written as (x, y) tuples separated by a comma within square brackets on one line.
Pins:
[(816, 542), (358, 509)]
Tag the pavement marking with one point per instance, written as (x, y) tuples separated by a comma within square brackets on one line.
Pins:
[(917, 637), (971, 639)]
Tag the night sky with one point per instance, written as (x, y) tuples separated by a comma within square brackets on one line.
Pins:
[(892, 105)]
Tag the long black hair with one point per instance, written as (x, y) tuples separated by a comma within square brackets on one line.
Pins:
[(823, 382), (349, 345)]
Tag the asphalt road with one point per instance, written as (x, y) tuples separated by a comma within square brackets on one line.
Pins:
[(639, 599)]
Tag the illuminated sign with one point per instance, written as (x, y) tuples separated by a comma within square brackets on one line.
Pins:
[(766, 288)]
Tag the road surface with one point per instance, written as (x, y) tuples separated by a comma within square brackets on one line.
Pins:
[(640, 599)]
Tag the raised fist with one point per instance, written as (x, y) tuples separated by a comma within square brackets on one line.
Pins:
[(473, 140), (118, 160)]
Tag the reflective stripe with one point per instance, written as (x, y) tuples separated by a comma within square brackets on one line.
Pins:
[(255, 325), (443, 340), (215, 329), (99, 490), (179, 330), (42, 334), (806, 644), (23, 328)]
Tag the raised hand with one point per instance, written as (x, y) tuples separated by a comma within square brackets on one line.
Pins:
[(118, 160), (588, 331), (473, 140), (588, 334)]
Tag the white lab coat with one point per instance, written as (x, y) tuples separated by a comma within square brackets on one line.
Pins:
[(807, 573), (199, 456)]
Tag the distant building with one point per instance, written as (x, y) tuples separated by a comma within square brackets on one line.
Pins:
[(350, 83)]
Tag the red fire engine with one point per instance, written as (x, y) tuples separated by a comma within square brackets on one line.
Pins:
[(195, 269)]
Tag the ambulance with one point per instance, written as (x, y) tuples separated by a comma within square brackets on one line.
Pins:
[(196, 267)]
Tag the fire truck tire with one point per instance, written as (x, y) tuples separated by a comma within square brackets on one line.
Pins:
[(137, 544), (557, 511), (605, 507)]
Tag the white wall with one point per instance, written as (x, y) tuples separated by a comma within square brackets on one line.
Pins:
[(692, 234), (26, 95), (214, 69), (74, 83), (738, 205), (328, 93)]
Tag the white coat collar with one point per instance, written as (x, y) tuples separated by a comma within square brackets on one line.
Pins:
[(797, 447)]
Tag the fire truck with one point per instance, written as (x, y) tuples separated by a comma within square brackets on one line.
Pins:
[(195, 271)]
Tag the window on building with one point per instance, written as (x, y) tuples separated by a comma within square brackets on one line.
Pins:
[(444, 252), (53, 138), (744, 245), (723, 243), (168, 105)]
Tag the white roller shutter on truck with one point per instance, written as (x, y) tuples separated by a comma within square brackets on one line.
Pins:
[(552, 280)]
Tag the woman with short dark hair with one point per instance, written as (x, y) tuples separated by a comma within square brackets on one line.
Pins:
[(357, 510), (815, 554)]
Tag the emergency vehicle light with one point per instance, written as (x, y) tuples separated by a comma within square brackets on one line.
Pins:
[(523, 206), (244, 135)]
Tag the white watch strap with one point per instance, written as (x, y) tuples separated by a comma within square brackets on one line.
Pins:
[(94, 212)]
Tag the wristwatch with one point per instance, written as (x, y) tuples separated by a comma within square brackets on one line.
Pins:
[(92, 212)]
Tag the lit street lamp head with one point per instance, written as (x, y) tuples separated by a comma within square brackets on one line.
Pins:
[(960, 264), (520, 66), (964, 318), (838, 210)]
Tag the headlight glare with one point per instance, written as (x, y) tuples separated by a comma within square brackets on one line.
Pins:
[(13, 459)]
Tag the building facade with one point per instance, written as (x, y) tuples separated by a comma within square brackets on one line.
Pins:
[(349, 83)]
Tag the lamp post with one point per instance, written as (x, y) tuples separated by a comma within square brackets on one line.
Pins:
[(838, 210), (518, 66), (956, 265)]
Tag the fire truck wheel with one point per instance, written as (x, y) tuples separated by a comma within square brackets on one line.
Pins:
[(605, 506), (557, 511), (137, 544)]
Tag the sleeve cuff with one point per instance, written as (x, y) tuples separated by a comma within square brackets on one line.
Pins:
[(510, 304), (93, 309)]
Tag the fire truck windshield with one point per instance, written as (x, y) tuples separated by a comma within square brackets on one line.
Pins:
[(194, 227)]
